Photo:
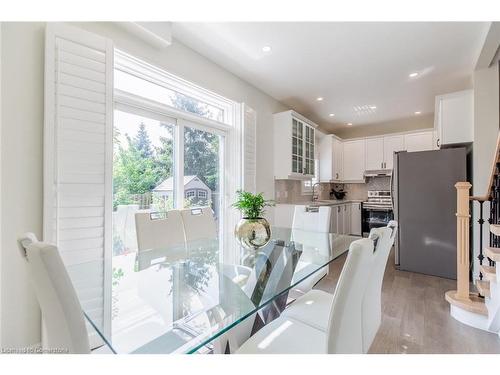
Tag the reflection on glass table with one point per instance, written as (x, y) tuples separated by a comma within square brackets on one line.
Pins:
[(181, 299)]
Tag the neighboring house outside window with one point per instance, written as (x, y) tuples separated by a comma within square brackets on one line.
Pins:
[(195, 190)]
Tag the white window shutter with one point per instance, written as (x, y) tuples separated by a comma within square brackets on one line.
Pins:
[(249, 149), (78, 161)]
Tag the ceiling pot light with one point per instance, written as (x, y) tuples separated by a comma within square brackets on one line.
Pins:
[(266, 49), (417, 112), (319, 98), (413, 75), (331, 114), (373, 107), (349, 123)]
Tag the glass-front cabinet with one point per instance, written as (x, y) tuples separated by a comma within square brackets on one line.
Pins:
[(294, 146)]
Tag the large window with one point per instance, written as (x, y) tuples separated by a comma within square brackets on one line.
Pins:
[(169, 149)]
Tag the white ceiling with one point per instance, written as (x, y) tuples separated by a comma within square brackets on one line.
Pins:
[(349, 64)]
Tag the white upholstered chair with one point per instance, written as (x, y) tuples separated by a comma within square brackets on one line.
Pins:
[(199, 223), (310, 229), (314, 307), (157, 230), (372, 302), (62, 314), (288, 335)]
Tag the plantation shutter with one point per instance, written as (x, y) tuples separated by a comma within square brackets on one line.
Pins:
[(78, 162), (249, 149)]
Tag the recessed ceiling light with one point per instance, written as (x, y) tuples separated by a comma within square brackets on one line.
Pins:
[(266, 49), (319, 98), (331, 114), (373, 107), (349, 123), (413, 75), (417, 112)]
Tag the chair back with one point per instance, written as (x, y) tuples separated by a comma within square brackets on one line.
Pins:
[(372, 302), (159, 230), (345, 334), (199, 223), (61, 310), (313, 219)]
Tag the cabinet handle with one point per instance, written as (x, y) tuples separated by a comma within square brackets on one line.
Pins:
[(437, 143)]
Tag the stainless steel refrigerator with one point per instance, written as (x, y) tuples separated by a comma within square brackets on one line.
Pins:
[(424, 203)]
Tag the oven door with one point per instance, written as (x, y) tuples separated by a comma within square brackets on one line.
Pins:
[(375, 218)]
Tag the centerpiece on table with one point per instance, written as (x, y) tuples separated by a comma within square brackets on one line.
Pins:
[(253, 230)]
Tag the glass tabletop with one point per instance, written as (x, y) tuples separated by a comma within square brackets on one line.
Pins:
[(182, 298)]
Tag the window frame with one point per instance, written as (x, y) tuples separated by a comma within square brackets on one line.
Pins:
[(231, 131)]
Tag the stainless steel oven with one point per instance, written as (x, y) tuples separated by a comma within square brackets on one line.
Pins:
[(377, 210)]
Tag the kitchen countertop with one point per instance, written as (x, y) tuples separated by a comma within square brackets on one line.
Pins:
[(323, 202)]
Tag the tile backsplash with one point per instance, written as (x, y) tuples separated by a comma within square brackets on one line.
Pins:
[(290, 191)]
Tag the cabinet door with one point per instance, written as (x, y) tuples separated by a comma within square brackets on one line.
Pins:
[(374, 153), (297, 146), (347, 218), (419, 141), (354, 160), (308, 150), (326, 159), (455, 117), (356, 219), (340, 219), (338, 155), (391, 145)]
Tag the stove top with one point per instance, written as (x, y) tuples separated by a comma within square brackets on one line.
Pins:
[(378, 199)]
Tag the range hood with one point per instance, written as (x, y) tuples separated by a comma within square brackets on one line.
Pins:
[(378, 172)]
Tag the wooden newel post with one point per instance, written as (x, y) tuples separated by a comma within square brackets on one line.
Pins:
[(463, 218)]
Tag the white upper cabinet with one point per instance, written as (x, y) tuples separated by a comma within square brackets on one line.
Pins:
[(330, 162), (380, 151), (354, 160), (374, 153), (392, 144), (454, 118), (294, 144), (422, 141)]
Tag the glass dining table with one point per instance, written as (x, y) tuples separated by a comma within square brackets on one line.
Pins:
[(185, 299)]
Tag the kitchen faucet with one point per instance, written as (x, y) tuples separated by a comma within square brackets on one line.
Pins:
[(314, 198)]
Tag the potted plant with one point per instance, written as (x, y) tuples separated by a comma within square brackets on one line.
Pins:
[(253, 230)]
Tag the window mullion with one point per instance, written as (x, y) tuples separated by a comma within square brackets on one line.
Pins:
[(179, 165)]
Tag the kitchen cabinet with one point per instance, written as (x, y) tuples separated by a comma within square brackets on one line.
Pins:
[(454, 118), (347, 218), (330, 159), (392, 144), (421, 141), (354, 160), (294, 146), (380, 151), (374, 153), (355, 219)]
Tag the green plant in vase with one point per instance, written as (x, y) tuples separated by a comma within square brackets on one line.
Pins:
[(253, 230)]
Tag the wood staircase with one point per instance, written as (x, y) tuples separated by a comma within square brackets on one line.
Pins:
[(481, 309)]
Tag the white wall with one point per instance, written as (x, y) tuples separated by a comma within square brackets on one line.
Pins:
[(21, 175), (486, 127), (21, 147)]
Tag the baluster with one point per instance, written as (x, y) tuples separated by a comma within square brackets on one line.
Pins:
[(481, 223)]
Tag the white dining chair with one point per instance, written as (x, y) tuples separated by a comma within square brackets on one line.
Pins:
[(159, 230), (62, 314), (287, 335), (314, 307), (199, 223), (310, 228), (372, 302)]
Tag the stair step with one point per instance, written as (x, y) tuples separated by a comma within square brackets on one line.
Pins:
[(495, 229), (489, 273), (483, 287), (493, 253), (474, 304)]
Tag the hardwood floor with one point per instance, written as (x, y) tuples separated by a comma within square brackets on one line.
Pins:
[(416, 317)]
